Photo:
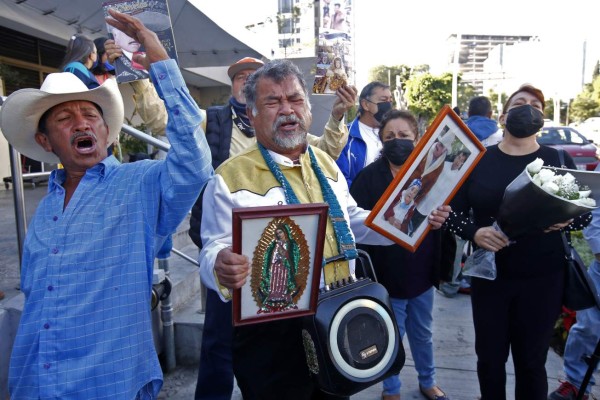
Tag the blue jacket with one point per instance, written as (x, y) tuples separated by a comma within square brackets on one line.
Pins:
[(84, 74), (482, 127), (352, 159)]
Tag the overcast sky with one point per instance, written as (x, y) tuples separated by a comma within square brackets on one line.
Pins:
[(414, 32)]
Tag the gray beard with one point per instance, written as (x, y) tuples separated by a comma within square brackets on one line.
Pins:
[(290, 142)]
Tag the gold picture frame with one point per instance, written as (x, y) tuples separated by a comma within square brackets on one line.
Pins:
[(285, 247)]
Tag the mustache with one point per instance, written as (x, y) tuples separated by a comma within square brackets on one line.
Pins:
[(286, 119), (79, 134)]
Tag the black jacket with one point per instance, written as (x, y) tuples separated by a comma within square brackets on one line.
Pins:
[(219, 127)]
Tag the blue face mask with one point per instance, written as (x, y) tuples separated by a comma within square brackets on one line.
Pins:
[(108, 66)]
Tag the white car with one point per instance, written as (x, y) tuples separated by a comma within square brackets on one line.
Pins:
[(591, 129)]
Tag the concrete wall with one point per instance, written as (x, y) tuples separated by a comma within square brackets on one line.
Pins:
[(10, 314)]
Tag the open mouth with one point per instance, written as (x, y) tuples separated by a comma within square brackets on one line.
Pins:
[(84, 142), (288, 124)]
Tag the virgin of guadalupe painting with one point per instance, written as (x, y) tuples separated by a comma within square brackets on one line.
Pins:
[(280, 267)]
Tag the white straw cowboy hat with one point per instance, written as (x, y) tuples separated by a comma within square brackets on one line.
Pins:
[(21, 112), (447, 140)]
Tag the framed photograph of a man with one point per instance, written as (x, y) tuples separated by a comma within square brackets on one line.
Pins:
[(439, 164), (285, 247)]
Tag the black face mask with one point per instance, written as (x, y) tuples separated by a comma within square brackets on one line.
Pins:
[(397, 150), (382, 108), (524, 121)]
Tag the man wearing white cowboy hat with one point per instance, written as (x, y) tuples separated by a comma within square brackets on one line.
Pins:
[(85, 331), (228, 132)]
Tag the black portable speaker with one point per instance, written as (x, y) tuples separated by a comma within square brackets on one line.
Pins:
[(352, 342)]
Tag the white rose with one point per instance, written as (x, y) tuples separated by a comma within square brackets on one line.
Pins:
[(550, 187), (586, 202), (537, 180), (568, 178), (584, 194), (546, 175), (535, 166)]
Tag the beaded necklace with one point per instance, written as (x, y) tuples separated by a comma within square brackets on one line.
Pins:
[(344, 238)]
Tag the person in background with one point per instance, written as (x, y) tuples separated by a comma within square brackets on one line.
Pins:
[(408, 277), (338, 18), (584, 335), (86, 327), (516, 312), (102, 69), (229, 133), (480, 121), (80, 58), (364, 145)]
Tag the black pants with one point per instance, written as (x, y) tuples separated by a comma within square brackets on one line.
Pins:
[(516, 315), (269, 362), (215, 373)]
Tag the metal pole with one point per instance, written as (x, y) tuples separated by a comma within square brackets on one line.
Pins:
[(166, 312), (19, 199), (146, 138), (455, 71)]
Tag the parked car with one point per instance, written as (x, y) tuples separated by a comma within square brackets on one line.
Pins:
[(585, 154)]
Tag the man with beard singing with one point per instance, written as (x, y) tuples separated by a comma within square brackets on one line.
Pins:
[(268, 358)]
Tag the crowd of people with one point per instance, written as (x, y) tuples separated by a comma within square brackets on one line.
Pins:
[(86, 329)]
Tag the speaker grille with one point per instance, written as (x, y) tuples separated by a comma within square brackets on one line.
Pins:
[(362, 338)]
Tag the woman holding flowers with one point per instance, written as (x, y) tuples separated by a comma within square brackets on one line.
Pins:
[(408, 277), (516, 311)]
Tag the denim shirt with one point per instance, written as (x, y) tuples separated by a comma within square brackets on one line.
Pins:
[(85, 331)]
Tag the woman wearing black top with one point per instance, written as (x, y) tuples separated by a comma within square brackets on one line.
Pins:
[(409, 277), (516, 311)]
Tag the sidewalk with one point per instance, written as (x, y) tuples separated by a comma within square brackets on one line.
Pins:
[(453, 338)]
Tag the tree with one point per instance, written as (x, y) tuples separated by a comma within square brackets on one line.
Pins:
[(382, 72), (427, 94), (587, 103)]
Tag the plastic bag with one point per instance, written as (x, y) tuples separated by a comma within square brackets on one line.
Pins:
[(481, 264)]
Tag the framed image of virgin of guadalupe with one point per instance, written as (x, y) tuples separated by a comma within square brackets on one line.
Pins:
[(284, 244), (435, 170)]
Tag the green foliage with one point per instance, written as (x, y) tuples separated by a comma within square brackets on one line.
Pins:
[(427, 94), (465, 93), (10, 75), (582, 247), (380, 73), (131, 145), (587, 103)]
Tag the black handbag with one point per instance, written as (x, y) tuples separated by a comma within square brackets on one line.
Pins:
[(352, 342), (580, 292)]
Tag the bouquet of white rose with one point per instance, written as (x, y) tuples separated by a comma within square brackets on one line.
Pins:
[(535, 200)]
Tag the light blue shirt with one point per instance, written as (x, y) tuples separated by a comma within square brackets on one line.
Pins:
[(85, 331), (592, 231)]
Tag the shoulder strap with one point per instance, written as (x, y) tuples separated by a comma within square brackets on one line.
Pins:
[(561, 157)]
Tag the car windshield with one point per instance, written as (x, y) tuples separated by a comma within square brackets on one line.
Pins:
[(560, 135)]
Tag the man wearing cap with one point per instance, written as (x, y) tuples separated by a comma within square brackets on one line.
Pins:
[(228, 133), (85, 331)]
